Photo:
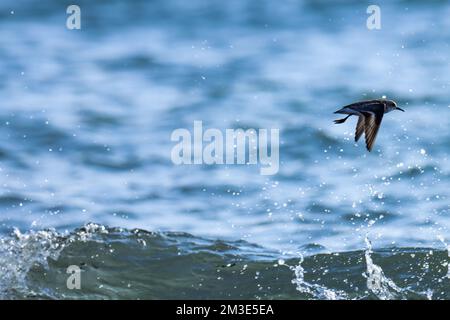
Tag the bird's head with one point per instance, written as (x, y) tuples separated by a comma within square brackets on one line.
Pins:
[(391, 105)]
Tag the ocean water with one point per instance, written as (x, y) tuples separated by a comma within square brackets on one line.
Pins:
[(86, 176)]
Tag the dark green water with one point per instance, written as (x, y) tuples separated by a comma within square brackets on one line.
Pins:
[(136, 264)]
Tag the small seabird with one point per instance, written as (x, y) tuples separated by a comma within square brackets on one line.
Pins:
[(370, 113)]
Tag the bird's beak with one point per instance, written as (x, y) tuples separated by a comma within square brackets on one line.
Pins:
[(400, 109)]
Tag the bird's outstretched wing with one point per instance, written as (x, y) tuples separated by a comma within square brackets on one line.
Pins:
[(359, 128), (372, 122)]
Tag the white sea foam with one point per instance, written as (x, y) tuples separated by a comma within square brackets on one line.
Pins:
[(377, 282)]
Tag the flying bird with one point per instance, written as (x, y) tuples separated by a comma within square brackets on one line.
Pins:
[(370, 113)]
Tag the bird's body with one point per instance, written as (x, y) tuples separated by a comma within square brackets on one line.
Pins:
[(370, 113)]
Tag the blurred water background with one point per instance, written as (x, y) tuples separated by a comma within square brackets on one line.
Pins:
[(85, 123)]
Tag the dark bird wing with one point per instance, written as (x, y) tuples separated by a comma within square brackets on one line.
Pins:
[(372, 122), (359, 128)]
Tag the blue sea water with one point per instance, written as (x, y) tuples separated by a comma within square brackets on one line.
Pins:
[(85, 123)]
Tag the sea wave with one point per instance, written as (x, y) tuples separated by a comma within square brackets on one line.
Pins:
[(118, 263)]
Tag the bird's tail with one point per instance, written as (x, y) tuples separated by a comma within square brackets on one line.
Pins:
[(341, 120)]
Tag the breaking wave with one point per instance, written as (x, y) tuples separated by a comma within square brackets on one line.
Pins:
[(118, 263)]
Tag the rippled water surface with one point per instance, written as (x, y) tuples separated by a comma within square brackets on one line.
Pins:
[(85, 123)]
